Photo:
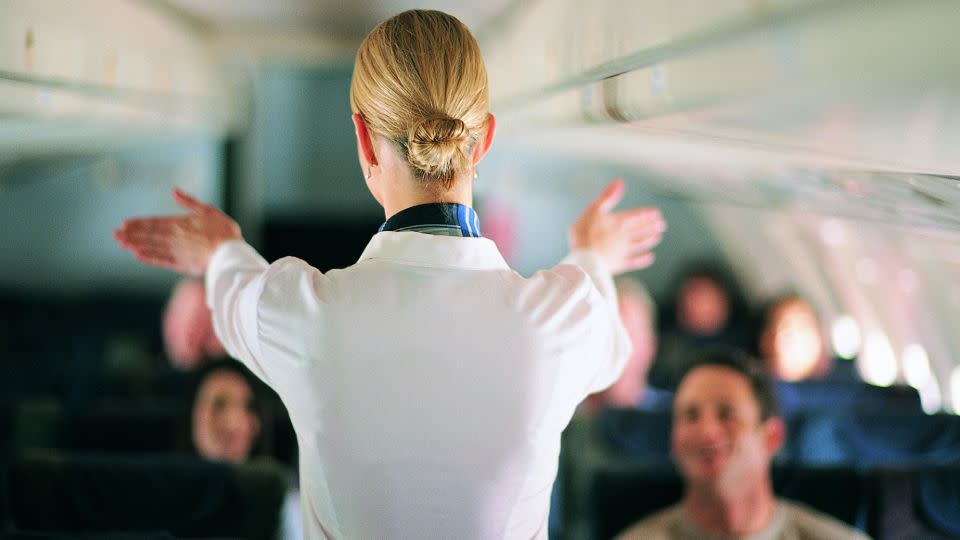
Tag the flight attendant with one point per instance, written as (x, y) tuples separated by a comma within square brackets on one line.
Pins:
[(428, 383)]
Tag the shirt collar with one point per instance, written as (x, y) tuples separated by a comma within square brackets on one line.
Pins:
[(443, 219), (437, 251)]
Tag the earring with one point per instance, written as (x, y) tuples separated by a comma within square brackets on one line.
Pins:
[(369, 174), (476, 173)]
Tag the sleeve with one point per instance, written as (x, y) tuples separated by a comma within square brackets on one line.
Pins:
[(606, 344), (591, 263), (234, 280)]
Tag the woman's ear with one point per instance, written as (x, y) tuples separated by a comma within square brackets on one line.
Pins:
[(364, 142), (481, 149)]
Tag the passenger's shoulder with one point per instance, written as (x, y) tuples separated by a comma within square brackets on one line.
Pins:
[(813, 525), (662, 525)]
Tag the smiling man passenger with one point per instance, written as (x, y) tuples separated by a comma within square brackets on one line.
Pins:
[(726, 430)]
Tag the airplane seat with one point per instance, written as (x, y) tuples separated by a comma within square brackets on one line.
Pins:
[(145, 427), (161, 383), (6, 449), (185, 497), (637, 434), (834, 395), (939, 500), (922, 502), (620, 496), (37, 423), (107, 427), (618, 438), (894, 399), (113, 426), (902, 439), (836, 490), (817, 439)]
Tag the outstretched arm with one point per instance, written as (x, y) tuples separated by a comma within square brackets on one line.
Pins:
[(181, 243), (624, 240)]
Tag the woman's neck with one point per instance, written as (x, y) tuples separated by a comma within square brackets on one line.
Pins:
[(404, 193)]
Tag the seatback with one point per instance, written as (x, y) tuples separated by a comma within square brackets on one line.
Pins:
[(922, 502), (868, 439), (185, 497), (831, 396), (637, 434), (900, 439)]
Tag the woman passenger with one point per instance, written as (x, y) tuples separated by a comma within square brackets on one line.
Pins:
[(226, 412)]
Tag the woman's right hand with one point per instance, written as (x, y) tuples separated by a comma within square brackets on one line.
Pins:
[(624, 240), (181, 243)]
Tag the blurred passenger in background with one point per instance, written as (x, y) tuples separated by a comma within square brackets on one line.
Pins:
[(790, 341), (707, 309), (726, 430), (188, 334), (227, 412), (639, 316), (229, 421)]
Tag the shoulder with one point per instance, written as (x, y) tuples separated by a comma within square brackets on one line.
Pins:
[(565, 282), (813, 525), (662, 525), (290, 275)]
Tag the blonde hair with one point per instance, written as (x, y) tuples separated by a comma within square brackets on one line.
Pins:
[(420, 81)]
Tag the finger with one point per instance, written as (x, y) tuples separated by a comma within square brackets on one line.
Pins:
[(635, 228), (645, 243), (639, 262), (188, 202), (155, 257), (158, 225), (610, 196), (145, 243), (641, 216)]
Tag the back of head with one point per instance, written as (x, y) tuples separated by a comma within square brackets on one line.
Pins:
[(420, 81)]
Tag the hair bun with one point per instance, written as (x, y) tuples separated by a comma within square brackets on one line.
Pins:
[(435, 145)]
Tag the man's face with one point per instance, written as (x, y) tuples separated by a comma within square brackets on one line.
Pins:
[(719, 441)]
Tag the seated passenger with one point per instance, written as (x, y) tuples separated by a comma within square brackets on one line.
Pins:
[(227, 420), (226, 412), (188, 327), (726, 431), (638, 313), (707, 310), (791, 342)]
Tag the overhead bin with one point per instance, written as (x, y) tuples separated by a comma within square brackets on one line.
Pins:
[(746, 101), (75, 75)]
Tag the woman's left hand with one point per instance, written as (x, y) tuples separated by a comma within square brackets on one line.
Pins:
[(181, 243)]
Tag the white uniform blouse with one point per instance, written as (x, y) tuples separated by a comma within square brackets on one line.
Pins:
[(428, 383)]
